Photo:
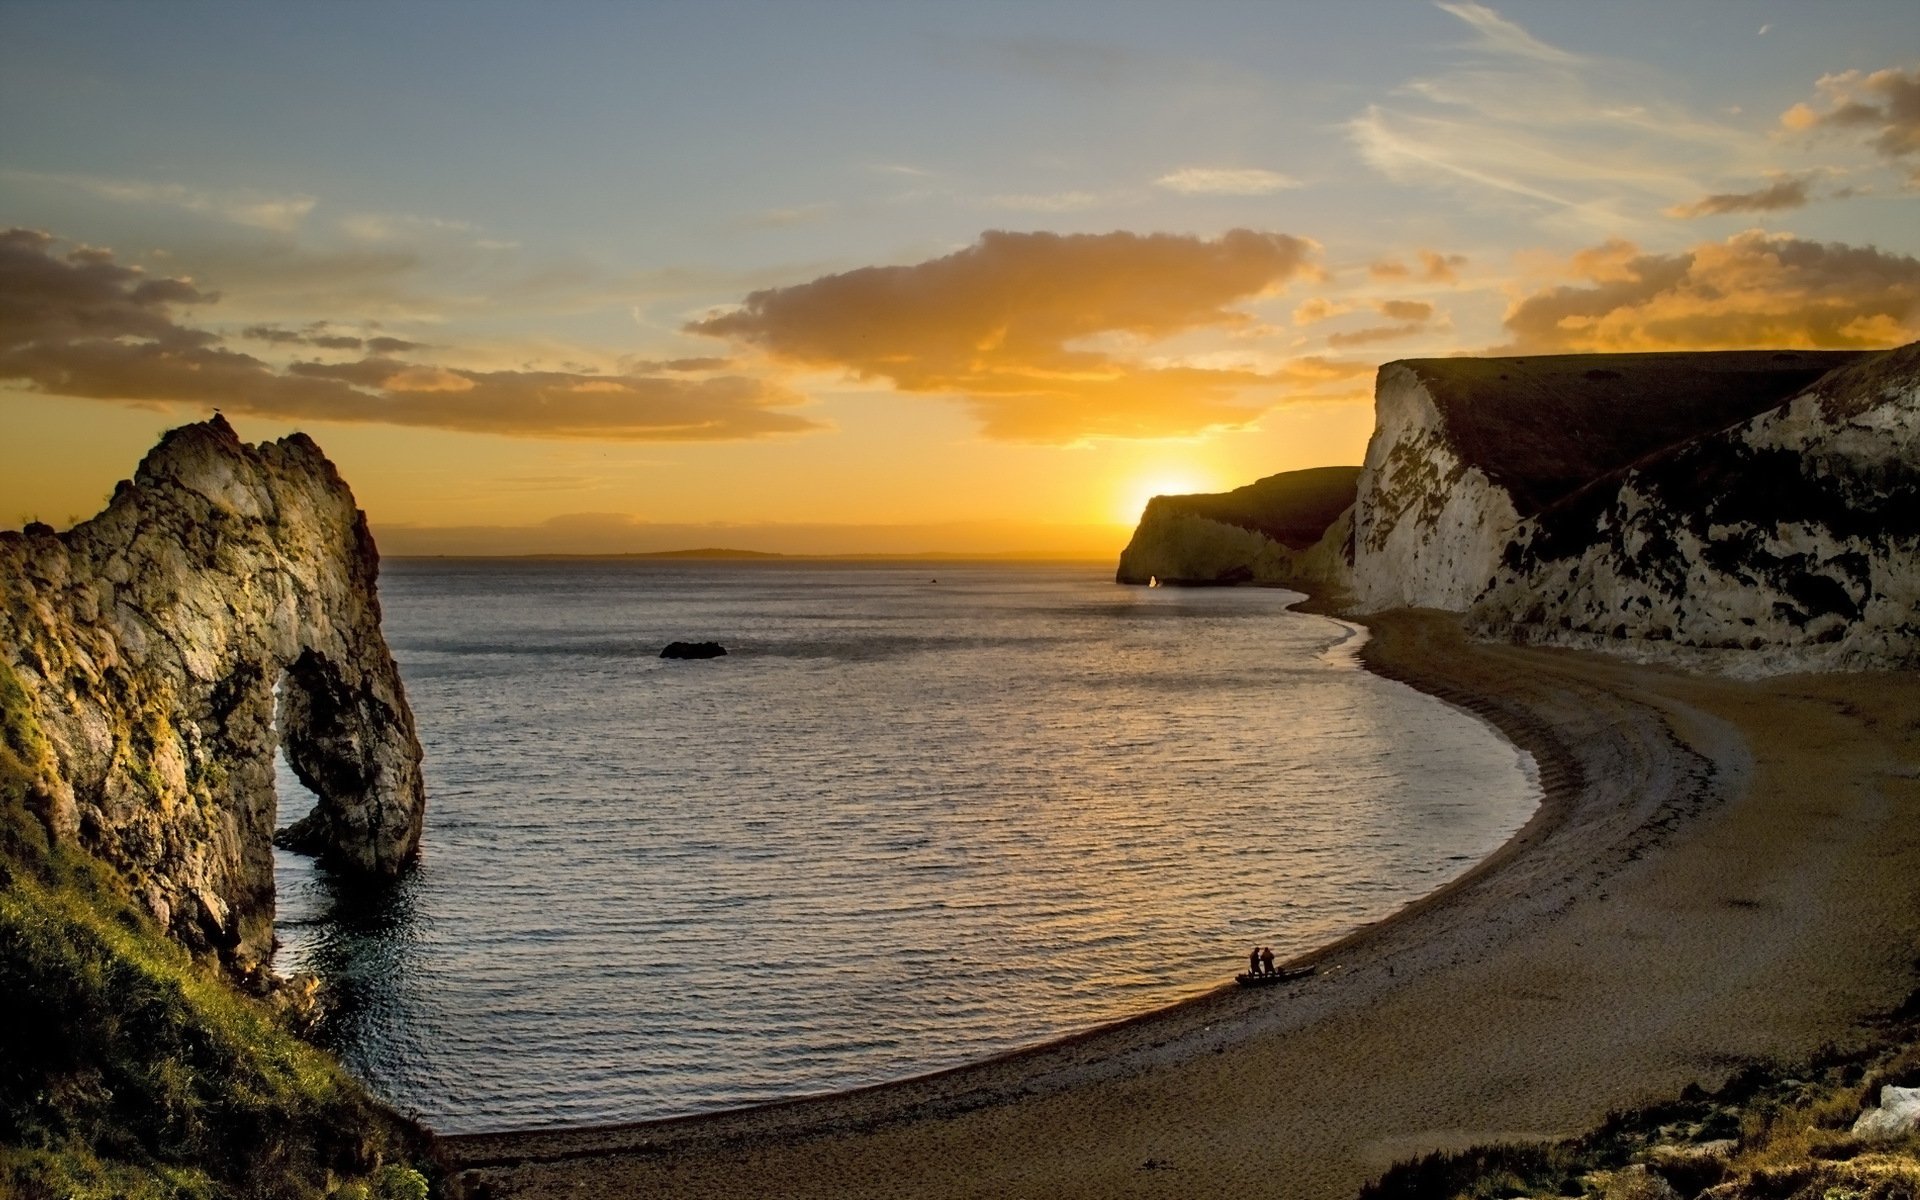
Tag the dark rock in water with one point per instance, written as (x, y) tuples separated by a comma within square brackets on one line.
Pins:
[(693, 650)]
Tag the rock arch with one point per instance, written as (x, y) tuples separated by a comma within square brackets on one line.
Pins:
[(146, 643)]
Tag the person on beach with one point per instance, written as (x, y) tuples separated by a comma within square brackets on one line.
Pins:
[(1266, 960), (1253, 961)]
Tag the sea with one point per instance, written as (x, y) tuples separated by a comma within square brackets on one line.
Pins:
[(921, 813)]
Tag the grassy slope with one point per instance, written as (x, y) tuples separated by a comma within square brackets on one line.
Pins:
[(127, 1069), (1293, 508), (1542, 427)]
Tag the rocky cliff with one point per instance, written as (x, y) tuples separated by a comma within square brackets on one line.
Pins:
[(221, 607), (1277, 530), (1668, 505), (1794, 534), (1464, 449)]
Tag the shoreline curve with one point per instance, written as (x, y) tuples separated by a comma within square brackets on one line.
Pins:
[(1631, 759)]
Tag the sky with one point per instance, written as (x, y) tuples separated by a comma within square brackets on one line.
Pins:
[(895, 277)]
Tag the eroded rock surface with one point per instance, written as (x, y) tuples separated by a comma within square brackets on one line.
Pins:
[(1465, 449), (150, 643), (1793, 536)]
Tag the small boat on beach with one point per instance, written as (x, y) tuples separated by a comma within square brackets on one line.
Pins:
[(1283, 975)]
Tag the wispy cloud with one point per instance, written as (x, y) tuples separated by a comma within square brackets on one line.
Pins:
[(784, 218), (260, 210), (1507, 37), (1226, 181), (1052, 202), (1782, 194), (1517, 123)]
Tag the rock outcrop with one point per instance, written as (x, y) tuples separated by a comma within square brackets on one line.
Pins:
[(1280, 530), (221, 607), (1661, 505)]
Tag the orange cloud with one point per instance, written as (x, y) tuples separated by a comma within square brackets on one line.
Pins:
[(1753, 290), (1775, 197), (1441, 268), (1374, 334), (1000, 322), (1315, 309), (1885, 104), (1405, 310), (1435, 267), (82, 325)]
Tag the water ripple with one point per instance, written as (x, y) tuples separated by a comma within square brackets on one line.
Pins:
[(899, 827)]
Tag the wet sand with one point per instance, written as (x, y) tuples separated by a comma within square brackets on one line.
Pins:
[(1720, 872)]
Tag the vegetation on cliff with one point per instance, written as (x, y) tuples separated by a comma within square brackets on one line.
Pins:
[(129, 1068), (1543, 427), (1293, 508), (1265, 532), (1768, 1134)]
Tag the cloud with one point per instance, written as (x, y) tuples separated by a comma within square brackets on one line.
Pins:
[(1435, 267), (1004, 322), (1405, 310), (316, 335), (280, 214), (1755, 289), (1781, 194), (389, 227), (1441, 268), (784, 218), (1374, 334), (1513, 123), (1885, 105), (1318, 308), (1225, 181), (1045, 202), (1498, 33), (79, 324)]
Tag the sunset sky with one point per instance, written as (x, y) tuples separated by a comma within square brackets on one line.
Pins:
[(890, 276)]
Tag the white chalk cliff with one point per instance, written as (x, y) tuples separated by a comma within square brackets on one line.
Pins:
[(1662, 505)]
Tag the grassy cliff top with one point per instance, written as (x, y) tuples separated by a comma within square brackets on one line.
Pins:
[(1293, 508), (1542, 427)]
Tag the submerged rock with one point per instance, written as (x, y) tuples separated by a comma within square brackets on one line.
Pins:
[(693, 650), (222, 606)]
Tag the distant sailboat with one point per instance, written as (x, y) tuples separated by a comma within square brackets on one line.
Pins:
[(1153, 581)]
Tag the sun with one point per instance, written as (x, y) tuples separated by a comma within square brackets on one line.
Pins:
[(1134, 497)]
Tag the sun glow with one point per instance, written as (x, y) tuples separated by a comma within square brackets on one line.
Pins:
[(1133, 500)]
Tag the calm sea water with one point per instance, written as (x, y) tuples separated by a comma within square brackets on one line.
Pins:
[(902, 825)]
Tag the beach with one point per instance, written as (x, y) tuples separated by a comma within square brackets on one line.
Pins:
[(1720, 871)]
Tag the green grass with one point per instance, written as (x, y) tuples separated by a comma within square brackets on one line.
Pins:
[(130, 1069), (1543, 427)]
